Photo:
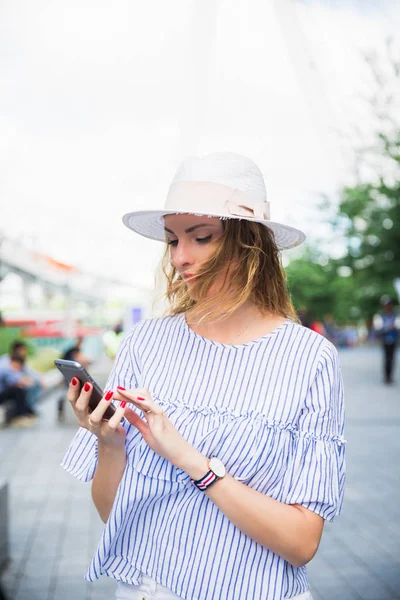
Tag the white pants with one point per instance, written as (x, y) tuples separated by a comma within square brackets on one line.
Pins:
[(150, 590)]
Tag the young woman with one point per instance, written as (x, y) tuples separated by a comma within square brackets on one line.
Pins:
[(230, 457)]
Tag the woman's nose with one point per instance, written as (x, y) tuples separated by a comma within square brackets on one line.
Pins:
[(182, 255)]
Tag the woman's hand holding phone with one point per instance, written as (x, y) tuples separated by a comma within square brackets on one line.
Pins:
[(157, 430), (110, 432)]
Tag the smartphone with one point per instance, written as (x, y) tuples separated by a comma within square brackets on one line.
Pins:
[(72, 368)]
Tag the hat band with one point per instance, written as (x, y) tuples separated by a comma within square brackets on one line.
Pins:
[(214, 198)]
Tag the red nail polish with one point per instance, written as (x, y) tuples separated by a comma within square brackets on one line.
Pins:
[(86, 387), (119, 387), (140, 398), (74, 381), (122, 404), (109, 395)]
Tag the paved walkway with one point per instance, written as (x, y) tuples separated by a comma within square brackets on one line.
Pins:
[(54, 528)]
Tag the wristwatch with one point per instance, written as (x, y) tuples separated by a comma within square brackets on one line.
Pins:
[(216, 471)]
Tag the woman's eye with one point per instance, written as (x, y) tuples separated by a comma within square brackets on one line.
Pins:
[(204, 240)]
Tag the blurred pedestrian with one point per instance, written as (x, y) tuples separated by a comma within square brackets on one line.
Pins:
[(217, 483), (34, 388), (387, 327)]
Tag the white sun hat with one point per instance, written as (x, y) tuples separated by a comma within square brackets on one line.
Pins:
[(222, 184)]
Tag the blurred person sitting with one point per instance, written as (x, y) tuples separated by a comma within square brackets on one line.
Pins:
[(387, 327), (14, 385), (34, 381)]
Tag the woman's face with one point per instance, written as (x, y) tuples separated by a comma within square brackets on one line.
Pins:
[(191, 240)]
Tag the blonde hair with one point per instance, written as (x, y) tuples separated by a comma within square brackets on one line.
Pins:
[(247, 256)]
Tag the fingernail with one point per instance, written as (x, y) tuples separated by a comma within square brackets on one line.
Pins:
[(74, 381), (86, 387), (122, 404), (140, 398), (119, 387), (109, 395)]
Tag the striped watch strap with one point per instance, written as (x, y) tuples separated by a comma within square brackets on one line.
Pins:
[(205, 482)]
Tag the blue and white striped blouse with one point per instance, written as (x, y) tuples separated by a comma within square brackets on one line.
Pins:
[(271, 410)]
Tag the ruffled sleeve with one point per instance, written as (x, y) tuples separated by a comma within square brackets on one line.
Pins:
[(315, 474), (81, 457)]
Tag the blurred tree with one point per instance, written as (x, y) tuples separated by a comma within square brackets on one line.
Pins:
[(369, 212), (372, 214), (323, 287), (308, 285)]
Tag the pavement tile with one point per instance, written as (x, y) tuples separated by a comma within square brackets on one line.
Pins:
[(316, 594), (102, 589)]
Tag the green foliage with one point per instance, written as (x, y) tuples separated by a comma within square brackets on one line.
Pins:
[(307, 283), (319, 288), (369, 216), (372, 227)]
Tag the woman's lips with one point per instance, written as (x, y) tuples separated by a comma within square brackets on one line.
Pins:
[(189, 277)]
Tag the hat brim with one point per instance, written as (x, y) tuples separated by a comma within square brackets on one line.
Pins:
[(150, 224)]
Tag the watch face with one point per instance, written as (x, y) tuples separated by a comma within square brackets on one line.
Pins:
[(217, 467)]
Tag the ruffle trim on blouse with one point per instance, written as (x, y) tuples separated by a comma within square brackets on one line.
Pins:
[(250, 415)]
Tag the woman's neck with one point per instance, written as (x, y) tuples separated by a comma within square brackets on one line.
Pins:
[(245, 324)]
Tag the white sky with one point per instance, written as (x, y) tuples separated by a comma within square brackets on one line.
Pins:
[(100, 102)]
